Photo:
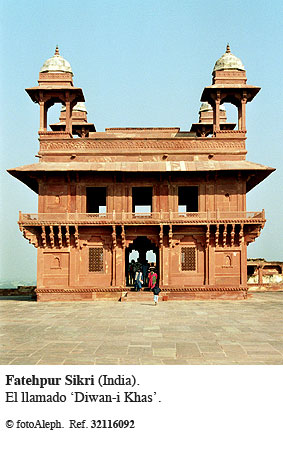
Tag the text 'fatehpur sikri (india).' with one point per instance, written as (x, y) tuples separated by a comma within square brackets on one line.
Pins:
[(177, 198)]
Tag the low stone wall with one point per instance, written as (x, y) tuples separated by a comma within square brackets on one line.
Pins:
[(273, 282), (19, 291), (265, 287)]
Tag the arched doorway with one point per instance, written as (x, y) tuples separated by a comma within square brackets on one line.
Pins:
[(142, 251)]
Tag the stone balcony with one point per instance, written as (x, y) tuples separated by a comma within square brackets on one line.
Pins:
[(154, 218)]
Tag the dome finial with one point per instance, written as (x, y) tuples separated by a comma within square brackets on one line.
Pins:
[(56, 63), (228, 61)]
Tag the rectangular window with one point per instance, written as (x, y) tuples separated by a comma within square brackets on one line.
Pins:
[(96, 200), (142, 200), (187, 199), (95, 259), (188, 258)]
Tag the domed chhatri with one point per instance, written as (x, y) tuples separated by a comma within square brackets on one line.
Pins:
[(80, 106), (228, 61), (204, 127), (55, 85), (80, 126), (56, 64), (205, 106), (229, 85)]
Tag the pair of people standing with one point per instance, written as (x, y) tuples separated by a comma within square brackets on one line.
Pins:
[(140, 279)]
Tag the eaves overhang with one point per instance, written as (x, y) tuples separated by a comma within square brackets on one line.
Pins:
[(36, 92), (209, 91), (30, 174)]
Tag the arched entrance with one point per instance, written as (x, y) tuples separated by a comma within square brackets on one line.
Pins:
[(142, 251)]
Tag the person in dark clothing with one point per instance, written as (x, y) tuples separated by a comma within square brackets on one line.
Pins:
[(145, 267), (138, 280), (131, 272), (156, 290)]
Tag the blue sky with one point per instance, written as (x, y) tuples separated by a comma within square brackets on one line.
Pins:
[(140, 63)]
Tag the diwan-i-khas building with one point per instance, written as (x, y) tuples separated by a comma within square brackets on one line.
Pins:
[(180, 194)]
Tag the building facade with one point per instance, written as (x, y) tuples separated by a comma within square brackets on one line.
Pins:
[(179, 194), (264, 275)]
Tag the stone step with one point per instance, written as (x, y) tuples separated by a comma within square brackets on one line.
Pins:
[(138, 296)]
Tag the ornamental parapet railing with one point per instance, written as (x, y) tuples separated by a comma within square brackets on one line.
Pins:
[(160, 217)]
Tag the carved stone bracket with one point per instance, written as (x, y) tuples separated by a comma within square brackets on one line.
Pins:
[(225, 235), (251, 236), (77, 241), (207, 236), (170, 234), (233, 235), (51, 236), (123, 236), (60, 237), (43, 236), (31, 237), (217, 235), (114, 237), (241, 234), (161, 236), (67, 235)]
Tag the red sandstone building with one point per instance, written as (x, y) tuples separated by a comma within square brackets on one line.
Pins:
[(180, 194)]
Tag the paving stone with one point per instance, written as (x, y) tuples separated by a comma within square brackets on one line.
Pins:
[(139, 351), (164, 352), (214, 356), (172, 361), (25, 361), (187, 350), (129, 361), (152, 335), (209, 347), (106, 361)]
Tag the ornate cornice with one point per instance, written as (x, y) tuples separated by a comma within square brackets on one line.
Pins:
[(144, 222), (142, 143)]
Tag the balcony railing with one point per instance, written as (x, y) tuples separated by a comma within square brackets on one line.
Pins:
[(160, 217)]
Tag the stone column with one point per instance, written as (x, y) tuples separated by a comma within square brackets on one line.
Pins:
[(42, 116), (123, 237), (114, 246), (68, 115), (207, 244), (120, 267), (243, 268), (260, 274), (166, 258), (161, 255), (129, 200), (217, 115), (110, 199), (211, 265), (240, 108), (243, 114)]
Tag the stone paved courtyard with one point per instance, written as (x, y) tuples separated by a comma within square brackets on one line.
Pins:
[(196, 332)]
